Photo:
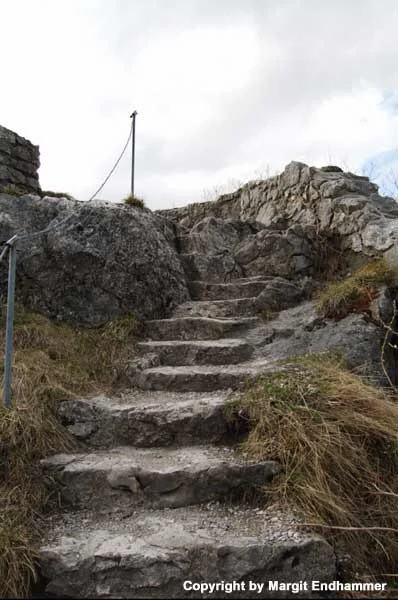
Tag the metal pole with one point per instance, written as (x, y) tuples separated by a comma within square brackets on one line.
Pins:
[(133, 116), (9, 323)]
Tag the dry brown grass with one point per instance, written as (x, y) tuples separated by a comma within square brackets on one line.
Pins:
[(52, 362), (134, 201), (356, 292), (337, 439)]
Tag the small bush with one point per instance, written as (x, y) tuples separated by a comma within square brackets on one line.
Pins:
[(356, 292), (336, 438), (134, 201)]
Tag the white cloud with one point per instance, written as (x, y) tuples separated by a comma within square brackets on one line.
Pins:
[(223, 89)]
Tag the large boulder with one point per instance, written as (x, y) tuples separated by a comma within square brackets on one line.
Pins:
[(218, 250), (105, 260), (279, 294), (285, 253), (207, 250)]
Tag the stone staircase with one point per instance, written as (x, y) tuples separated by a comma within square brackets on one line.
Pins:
[(151, 503)]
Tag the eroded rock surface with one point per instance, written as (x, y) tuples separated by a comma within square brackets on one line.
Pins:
[(106, 260), (336, 211)]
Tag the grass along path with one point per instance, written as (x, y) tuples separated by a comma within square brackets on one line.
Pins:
[(52, 362)]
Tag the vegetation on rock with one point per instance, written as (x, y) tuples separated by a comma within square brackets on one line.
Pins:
[(356, 292), (12, 190), (52, 362), (336, 437), (134, 201), (51, 194)]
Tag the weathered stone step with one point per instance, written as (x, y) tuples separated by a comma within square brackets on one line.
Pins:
[(218, 308), (196, 328), (205, 378), (146, 419), (237, 288), (157, 477), (199, 352), (150, 554)]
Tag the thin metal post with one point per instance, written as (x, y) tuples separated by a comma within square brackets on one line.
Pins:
[(133, 116), (9, 323)]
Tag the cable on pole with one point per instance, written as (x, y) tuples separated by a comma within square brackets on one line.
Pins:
[(50, 227), (10, 248)]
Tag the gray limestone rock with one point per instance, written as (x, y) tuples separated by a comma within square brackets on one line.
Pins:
[(151, 554), (196, 328), (199, 352), (145, 419), (286, 254), (213, 267), (218, 308), (327, 203), (280, 294), (107, 260), (125, 477), (202, 378), (238, 288), (299, 330)]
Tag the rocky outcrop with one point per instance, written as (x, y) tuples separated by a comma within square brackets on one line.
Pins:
[(219, 250), (104, 261), (337, 212), (19, 162)]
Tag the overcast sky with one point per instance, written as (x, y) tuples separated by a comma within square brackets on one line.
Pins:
[(226, 90)]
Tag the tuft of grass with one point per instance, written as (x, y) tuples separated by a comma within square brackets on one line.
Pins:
[(58, 361), (267, 315), (12, 190), (134, 201), (51, 194), (336, 438), (356, 292), (28, 432), (52, 362)]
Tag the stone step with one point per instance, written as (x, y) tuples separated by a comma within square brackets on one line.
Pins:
[(218, 308), (157, 477), (146, 419), (150, 554), (199, 352), (237, 288), (201, 378), (197, 328)]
